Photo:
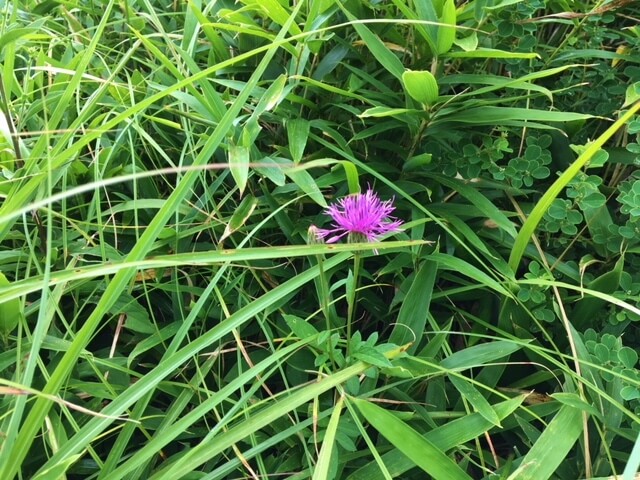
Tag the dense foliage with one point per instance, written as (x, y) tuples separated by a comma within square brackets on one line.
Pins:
[(169, 309)]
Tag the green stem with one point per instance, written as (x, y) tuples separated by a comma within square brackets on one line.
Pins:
[(351, 297), (323, 286), (324, 292)]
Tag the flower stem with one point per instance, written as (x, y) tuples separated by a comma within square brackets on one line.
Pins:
[(324, 292), (351, 297), (323, 286)]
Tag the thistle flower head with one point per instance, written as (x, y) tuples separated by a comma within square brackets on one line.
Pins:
[(363, 217)]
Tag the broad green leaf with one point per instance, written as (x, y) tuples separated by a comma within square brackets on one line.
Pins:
[(307, 184), (271, 169), (490, 115), (415, 308), (632, 94), (353, 179), (377, 112), (447, 34), (276, 12), (350, 170), (450, 435), (479, 355), (297, 134), (413, 367), (272, 96), (10, 311), (300, 328), (417, 161), (468, 43), (574, 400), (475, 398), (239, 165), (372, 356), (417, 448), (551, 449), (240, 216), (421, 86)]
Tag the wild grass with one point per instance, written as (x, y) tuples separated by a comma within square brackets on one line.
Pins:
[(166, 311)]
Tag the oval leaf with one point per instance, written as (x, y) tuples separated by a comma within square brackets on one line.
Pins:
[(239, 165), (421, 86), (447, 34)]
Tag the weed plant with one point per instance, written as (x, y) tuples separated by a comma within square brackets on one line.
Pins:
[(173, 304)]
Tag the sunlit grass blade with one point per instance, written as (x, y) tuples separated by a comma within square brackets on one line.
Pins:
[(213, 257), (328, 444), (530, 225)]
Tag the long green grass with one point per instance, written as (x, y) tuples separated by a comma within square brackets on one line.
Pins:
[(166, 310)]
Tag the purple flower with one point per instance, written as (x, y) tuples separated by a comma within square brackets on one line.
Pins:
[(364, 217)]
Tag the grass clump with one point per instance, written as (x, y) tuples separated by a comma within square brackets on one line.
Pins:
[(192, 285)]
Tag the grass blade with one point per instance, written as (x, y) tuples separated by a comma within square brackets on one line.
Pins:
[(415, 308), (530, 225), (324, 459), (552, 447), (421, 451)]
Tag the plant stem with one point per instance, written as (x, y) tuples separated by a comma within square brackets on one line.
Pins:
[(324, 292), (351, 297)]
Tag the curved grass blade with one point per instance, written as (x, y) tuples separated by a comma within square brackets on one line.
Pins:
[(530, 225)]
